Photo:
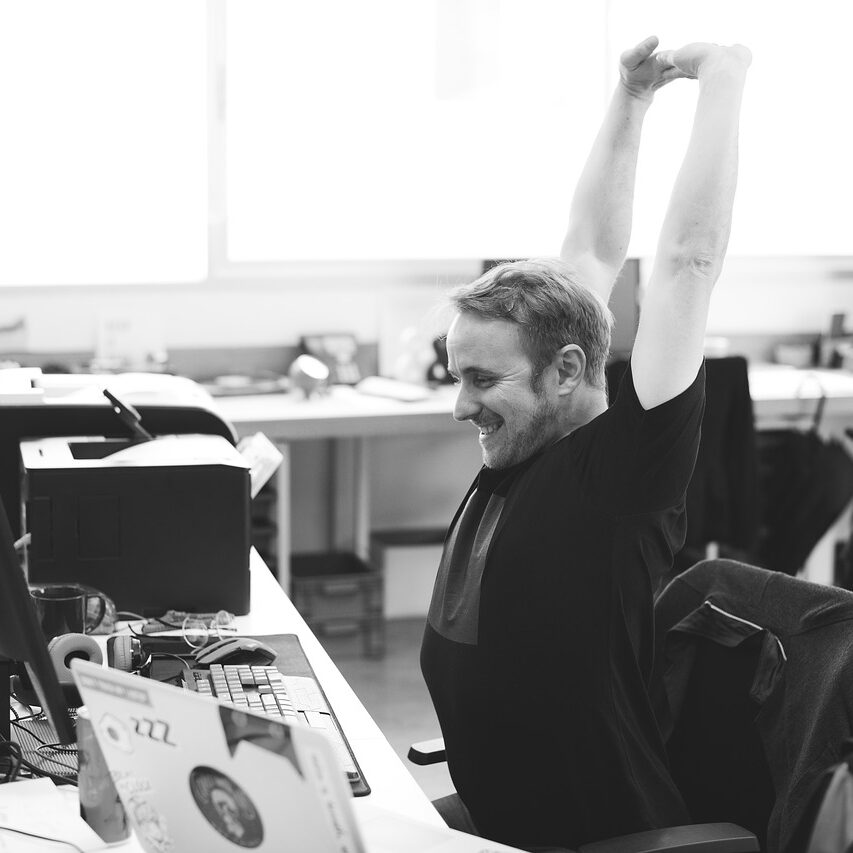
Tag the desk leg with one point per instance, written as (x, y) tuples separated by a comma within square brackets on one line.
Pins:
[(351, 496), (283, 517)]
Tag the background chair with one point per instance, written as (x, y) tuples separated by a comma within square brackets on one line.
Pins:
[(723, 498)]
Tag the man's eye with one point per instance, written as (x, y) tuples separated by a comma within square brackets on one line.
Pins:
[(483, 381)]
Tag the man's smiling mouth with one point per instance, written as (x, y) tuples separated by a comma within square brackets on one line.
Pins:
[(488, 429)]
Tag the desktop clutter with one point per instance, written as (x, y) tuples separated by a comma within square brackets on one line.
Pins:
[(325, 361), (150, 531)]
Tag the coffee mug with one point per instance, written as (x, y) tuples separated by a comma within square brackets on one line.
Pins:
[(63, 608)]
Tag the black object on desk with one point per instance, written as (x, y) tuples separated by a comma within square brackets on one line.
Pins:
[(23, 643), (55, 419), (129, 416), (167, 530)]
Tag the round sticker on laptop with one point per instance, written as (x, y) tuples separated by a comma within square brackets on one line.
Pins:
[(226, 807)]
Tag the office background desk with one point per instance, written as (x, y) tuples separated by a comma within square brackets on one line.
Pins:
[(781, 396), (350, 419)]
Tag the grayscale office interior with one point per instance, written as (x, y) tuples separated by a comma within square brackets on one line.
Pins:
[(243, 217)]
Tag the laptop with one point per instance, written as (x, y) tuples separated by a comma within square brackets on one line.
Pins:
[(195, 773)]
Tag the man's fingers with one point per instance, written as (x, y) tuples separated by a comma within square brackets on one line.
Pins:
[(635, 56), (670, 74)]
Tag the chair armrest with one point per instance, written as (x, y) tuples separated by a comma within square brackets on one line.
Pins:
[(694, 838), (427, 752)]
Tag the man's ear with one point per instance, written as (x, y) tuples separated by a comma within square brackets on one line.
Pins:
[(571, 367)]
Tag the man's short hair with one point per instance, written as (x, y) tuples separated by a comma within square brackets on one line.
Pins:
[(544, 297)]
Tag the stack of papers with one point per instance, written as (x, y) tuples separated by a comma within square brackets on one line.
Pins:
[(37, 810)]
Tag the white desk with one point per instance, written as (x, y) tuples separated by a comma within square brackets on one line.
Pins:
[(350, 418), (780, 395), (392, 786)]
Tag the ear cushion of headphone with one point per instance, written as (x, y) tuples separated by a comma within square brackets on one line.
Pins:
[(64, 648), (123, 653)]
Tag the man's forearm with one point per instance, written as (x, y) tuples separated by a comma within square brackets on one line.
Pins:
[(602, 206), (696, 227)]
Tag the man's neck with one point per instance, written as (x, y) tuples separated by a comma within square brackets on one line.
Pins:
[(586, 404)]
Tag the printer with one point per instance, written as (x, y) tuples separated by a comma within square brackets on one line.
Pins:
[(156, 525)]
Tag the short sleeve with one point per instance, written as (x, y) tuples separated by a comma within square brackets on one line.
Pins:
[(635, 460)]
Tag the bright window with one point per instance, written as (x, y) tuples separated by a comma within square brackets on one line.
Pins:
[(103, 140), (407, 129), (795, 179)]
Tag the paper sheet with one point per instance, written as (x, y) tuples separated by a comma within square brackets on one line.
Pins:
[(38, 807)]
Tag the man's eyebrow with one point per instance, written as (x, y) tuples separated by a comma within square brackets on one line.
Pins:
[(481, 371)]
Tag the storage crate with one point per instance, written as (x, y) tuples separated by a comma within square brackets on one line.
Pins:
[(339, 594), (408, 561)]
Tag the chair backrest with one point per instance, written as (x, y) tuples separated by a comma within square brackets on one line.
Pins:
[(752, 689), (715, 752), (723, 495)]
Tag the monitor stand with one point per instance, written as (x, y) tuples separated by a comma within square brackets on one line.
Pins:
[(5, 698)]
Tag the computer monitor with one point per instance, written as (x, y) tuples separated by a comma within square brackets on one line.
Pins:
[(22, 643)]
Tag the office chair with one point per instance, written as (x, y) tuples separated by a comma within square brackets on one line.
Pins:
[(755, 677)]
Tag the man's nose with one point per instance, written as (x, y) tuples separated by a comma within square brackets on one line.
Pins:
[(466, 406)]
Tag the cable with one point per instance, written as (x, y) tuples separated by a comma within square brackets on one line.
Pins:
[(58, 747), (56, 777), (43, 744), (127, 615), (42, 837), (16, 757), (17, 760)]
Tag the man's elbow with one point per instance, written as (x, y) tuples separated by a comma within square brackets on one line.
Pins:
[(703, 265)]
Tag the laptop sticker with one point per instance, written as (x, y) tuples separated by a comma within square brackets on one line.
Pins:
[(239, 727), (150, 825), (135, 792), (121, 691), (156, 730), (116, 733), (226, 807)]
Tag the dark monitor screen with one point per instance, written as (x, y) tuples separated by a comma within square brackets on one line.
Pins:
[(23, 643)]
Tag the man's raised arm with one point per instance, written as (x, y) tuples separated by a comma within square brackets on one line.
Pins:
[(601, 210), (692, 245)]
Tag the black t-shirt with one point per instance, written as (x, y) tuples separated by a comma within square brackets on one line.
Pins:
[(538, 648)]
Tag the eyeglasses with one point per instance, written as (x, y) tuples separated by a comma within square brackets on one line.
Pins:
[(197, 629)]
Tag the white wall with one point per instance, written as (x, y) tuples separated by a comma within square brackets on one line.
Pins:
[(238, 313), (754, 295)]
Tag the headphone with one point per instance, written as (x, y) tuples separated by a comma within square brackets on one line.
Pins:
[(62, 650), (125, 652)]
